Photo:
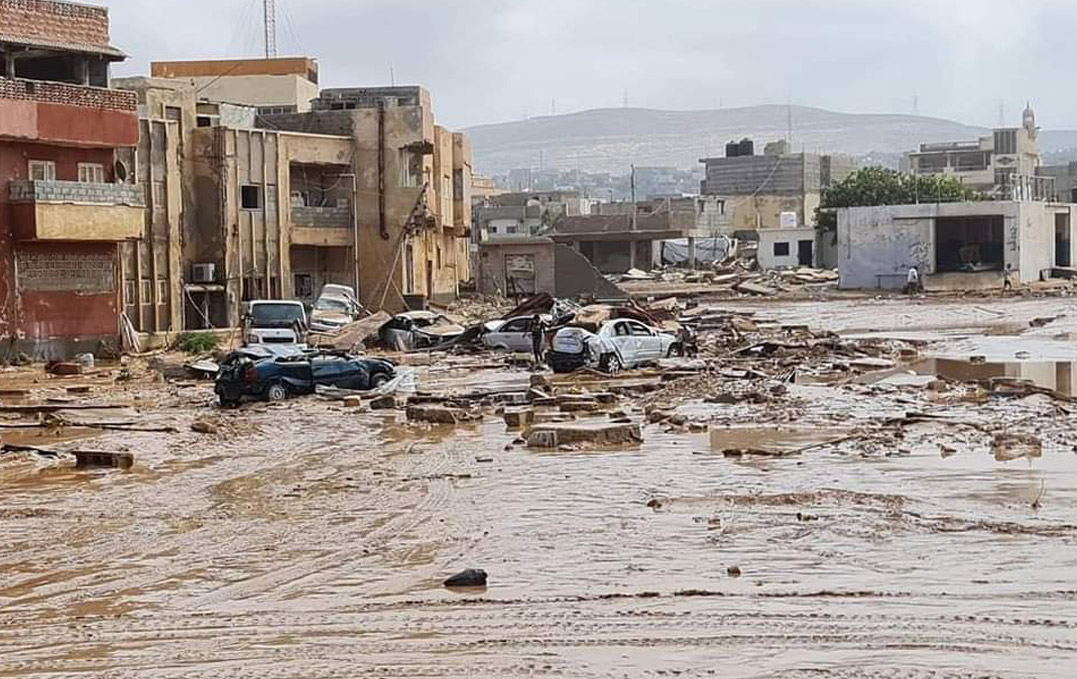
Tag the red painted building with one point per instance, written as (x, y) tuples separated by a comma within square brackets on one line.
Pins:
[(65, 203)]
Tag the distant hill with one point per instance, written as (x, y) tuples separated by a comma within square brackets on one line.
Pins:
[(609, 140)]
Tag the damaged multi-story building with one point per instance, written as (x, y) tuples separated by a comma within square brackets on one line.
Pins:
[(66, 201), (412, 190)]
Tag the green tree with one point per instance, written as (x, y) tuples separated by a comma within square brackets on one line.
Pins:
[(880, 186)]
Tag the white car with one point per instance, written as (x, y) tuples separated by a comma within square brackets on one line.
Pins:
[(621, 343), (332, 313), (274, 321), (513, 334)]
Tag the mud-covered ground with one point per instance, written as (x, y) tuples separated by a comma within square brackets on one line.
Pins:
[(309, 540)]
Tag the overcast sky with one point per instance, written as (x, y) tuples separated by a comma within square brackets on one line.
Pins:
[(496, 60)]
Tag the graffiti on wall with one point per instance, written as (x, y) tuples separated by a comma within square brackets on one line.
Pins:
[(65, 272)]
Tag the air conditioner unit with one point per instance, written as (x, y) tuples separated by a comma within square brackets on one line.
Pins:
[(204, 273)]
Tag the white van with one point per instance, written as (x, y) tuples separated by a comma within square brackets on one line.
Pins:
[(274, 321)]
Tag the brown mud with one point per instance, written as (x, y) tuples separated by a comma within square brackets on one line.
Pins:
[(309, 540)]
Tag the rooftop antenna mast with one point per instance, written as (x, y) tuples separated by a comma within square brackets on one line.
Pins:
[(270, 11)]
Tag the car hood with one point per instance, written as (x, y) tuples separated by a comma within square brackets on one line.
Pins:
[(493, 326), (442, 330)]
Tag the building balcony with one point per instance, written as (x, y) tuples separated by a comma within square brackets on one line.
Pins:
[(76, 211), (322, 226), (67, 115)]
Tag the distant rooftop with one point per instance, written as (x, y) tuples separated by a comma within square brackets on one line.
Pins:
[(305, 67)]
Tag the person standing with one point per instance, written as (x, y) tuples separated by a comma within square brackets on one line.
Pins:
[(538, 336), (1007, 278), (912, 281)]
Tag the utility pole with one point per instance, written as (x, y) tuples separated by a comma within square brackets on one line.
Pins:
[(635, 222), (269, 8)]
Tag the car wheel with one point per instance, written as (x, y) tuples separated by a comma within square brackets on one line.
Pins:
[(379, 380), (675, 350), (611, 364), (277, 391)]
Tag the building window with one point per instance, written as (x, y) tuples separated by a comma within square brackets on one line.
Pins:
[(147, 291), (492, 229), (42, 170), (91, 173), (781, 249), (204, 121), (512, 230), (250, 197), (129, 293), (162, 291), (411, 168), (1006, 142)]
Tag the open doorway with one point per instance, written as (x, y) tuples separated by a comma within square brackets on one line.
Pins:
[(1062, 240), (805, 252), (969, 244)]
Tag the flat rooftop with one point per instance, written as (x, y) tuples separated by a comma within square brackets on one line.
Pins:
[(305, 67)]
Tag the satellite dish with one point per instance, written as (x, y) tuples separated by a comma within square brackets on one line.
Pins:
[(121, 172)]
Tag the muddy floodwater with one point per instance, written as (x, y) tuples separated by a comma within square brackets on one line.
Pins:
[(308, 540)]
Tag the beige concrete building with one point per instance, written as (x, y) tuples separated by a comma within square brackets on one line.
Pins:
[(412, 222), (152, 267), (1002, 165), (281, 85)]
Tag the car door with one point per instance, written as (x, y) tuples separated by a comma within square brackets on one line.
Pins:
[(625, 343), (515, 335), (331, 371), (647, 342)]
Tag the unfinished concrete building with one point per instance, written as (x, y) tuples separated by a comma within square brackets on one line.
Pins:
[(617, 242), (955, 246), (412, 237), (776, 190), (521, 267)]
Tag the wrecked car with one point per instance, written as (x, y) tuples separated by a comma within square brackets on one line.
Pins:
[(420, 330), (513, 334), (276, 375), (331, 313), (618, 344)]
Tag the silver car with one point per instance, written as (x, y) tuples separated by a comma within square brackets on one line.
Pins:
[(621, 343), (513, 334)]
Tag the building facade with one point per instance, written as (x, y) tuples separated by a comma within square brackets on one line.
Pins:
[(774, 190), (955, 246), (1003, 165), (66, 205), (413, 223)]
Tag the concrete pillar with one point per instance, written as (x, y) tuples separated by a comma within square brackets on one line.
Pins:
[(631, 254), (8, 62), (83, 71), (691, 253)]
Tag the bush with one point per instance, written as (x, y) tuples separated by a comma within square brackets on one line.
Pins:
[(196, 342)]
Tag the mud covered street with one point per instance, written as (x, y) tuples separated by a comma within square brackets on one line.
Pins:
[(902, 525)]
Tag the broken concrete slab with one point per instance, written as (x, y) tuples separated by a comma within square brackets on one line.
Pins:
[(598, 433), (519, 418), (755, 289), (384, 403), (440, 414)]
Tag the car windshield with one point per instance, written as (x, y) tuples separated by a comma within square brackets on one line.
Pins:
[(275, 315), (331, 304)]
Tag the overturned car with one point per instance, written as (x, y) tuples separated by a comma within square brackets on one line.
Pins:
[(279, 373)]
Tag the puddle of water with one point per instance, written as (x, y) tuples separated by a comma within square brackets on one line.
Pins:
[(1058, 375)]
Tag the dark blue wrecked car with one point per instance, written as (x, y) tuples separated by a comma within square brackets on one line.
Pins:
[(279, 373)]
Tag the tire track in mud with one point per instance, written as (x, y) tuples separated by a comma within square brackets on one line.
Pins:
[(497, 639)]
